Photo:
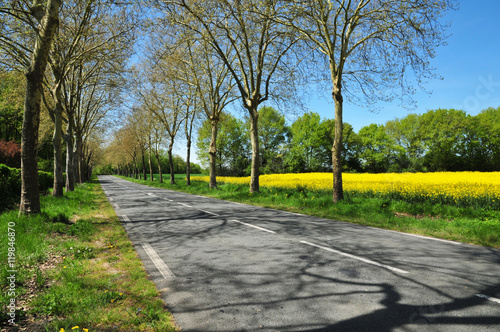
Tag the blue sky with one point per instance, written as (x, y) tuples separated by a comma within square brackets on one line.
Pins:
[(469, 65)]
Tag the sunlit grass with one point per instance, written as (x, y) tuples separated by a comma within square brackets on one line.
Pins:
[(96, 280), (472, 224)]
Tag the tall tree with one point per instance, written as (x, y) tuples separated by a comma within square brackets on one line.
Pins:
[(40, 20), (368, 45), (258, 45), (272, 136)]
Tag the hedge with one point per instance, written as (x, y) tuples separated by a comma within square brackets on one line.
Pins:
[(10, 185)]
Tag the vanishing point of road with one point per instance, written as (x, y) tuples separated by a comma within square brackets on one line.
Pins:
[(224, 266)]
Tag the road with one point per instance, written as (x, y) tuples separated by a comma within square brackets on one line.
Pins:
[(224, 266)]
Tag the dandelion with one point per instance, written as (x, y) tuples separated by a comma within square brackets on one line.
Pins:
[(61, 330), (86, 330), (75, 327)]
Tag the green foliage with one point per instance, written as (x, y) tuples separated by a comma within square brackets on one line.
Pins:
[(11, 105), (10, 186), (233, 149)]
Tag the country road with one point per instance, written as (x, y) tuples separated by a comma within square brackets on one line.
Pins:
[(224, 266)]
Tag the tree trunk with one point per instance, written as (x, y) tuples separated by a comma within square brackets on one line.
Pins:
[(150, 167), (213, 154), (159, 167), (338, 192), (30, 192), (78, 158), (171, 161), (254, 137), (144, 176), (57, 144), (188, 162), (70, 168)]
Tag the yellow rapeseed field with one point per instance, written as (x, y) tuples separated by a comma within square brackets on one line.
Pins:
[(457, 188)]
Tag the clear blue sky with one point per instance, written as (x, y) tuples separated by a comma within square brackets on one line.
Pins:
[(469, 65)]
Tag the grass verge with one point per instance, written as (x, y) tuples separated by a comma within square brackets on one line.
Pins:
[(75, 267), (471, 225)]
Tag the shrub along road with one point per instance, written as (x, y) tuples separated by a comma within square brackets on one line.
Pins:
[(225, 266)]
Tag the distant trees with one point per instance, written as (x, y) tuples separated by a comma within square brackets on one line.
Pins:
[(438, 140)]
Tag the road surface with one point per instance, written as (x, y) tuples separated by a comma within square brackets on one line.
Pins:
[(224, 266)]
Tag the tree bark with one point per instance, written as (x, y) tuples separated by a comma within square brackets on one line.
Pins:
[(57, 143), (159, 167), (254, 138), (70, 163), (338, 192), (30, 192), (143, 165), (188, 162), (213, 154), (171, 161)]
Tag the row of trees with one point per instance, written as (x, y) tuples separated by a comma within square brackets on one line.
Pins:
[(202, 56), (438, 140), (72, 54)]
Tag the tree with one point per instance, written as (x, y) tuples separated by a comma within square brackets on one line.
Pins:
[(272, 138), (483, 151), (41, 20), (11, 104), (257, 44), (65, 51), (406, 134), (367, 45), (378, 151), (232, 145), (442, 131)]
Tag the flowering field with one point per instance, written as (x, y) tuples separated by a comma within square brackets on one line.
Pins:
[(476, 189)]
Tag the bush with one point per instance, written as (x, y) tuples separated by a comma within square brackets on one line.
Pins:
[(10, 185)]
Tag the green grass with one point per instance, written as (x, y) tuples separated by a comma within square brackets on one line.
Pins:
[(76, 267), (472, 225)]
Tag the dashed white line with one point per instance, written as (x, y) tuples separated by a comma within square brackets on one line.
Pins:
[(158, 262), (257, 227), (356, 257), (489, 298), (419, 236), (214, 214), (125, 218), (184, 204)]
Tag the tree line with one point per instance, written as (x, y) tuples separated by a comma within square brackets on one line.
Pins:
[(200, 57), (438, 140), (197, 58), (62, 66)]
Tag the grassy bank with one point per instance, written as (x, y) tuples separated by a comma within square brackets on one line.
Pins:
[(75, 266), (466, 224)]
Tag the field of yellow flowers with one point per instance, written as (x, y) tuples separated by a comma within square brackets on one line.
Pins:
[(472, 189)]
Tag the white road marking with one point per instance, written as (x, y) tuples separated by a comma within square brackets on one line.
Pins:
[(257, 227), (152, 195), (115, 206), (110, 199), (214, 214), (158, 262), (489, 298), (124, 217), (419, 236), (168, 199), (355, 257), (184, 204)]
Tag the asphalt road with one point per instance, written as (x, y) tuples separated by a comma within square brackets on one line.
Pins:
[(224, 266)]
